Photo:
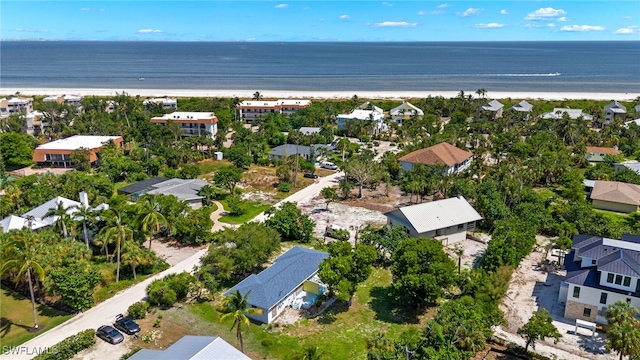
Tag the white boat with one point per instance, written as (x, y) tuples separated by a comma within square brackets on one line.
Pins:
[(140, 79)]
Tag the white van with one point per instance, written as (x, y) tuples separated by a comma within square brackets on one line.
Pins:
[(338, 232), (328, 165)]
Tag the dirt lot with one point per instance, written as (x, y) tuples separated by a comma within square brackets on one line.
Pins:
[(171, 251), (531, 287)]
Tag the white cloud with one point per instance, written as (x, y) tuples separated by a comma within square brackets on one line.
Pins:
[(395, 24), (344, 17), (469, 11), (544, 14), (442, 6), (31, 30), (562, 19), (581, 28), (528, 26), (387, 4), (626, 18), (149, 31), (434, 12), (627, 30), (503, 12), (250, 39), (281, 6), (551, 25), (488, 26), (85, 9)]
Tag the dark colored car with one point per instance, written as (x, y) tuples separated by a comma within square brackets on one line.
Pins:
[(126, 325), (311, 175), (109, 334)]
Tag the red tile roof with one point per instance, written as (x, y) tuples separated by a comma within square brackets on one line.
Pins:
[(440, 154), (602, 150)]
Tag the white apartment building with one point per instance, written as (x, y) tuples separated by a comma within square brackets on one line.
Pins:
[(15, 105), (167, 104), (600, 272), (191, 123), (249, 110), (73, 100)]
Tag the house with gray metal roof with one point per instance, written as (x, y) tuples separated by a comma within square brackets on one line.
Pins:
[(612, 110), (184, 189), (600, 272), (446, 220), (194, 348), (490, 111), (291, 277), (523, 108), (573, 114), (632, 165), (310, 153)]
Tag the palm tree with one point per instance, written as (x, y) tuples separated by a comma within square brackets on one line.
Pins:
[(257, 96), (61, 217), (119, 231), (20, 255), (84, 214), (236, 309), (150, 216), (208, 191), (134, 256)]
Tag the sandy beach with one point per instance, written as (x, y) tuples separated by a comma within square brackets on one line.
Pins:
[(286, 94)]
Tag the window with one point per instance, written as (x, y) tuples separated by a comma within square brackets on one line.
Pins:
[(460, 226), (610, 278), (576, 292), (618, 279), (593, 262), (586, 312), (603, 298), (627, 281)]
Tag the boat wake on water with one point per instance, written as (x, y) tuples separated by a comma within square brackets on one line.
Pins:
[(523, 75)]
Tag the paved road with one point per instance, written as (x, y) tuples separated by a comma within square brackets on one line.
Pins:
[(106, 311)]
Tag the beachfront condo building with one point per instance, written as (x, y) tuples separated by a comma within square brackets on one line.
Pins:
[(249, 110), (58, 153), (15, 105), (166, 103), (191, 123), (73, 100)]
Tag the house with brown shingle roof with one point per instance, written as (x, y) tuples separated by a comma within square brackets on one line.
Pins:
[(597, 154), (615, 196), (456, 160)]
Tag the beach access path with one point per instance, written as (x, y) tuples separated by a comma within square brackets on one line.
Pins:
[(105, 312)]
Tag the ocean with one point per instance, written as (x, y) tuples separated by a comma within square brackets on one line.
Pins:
[(324, 66)]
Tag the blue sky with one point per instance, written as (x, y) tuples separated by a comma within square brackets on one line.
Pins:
[(289, 20)]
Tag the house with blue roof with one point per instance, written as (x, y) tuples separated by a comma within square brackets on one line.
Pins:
[(600, 272), (291, 281)]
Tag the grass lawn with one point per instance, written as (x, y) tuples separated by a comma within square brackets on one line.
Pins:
[(253, 208), (16, 317), (108, 271), (339, 333), (210, 166)]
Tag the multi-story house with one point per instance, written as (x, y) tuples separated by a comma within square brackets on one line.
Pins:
[(73, 100), (191, 123), (35, 122), (167, 104), (15, 105), (451, 158), (58, 153), (367, 112), (249, 110), (600, 272), (612, 110)]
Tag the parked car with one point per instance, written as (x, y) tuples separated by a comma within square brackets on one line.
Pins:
[(109, 334), (126, 325), (337, 232), (328, 165), (310, 175)]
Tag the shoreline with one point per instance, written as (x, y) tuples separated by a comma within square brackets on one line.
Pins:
[(322, 95)]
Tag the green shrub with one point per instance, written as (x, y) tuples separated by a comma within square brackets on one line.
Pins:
[(69, 347), (180, 283), (161, 294), (138, 310), (284, 187), (376, 143), (266, 342)]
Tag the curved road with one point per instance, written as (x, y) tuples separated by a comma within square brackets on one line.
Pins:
[(105, 312)]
